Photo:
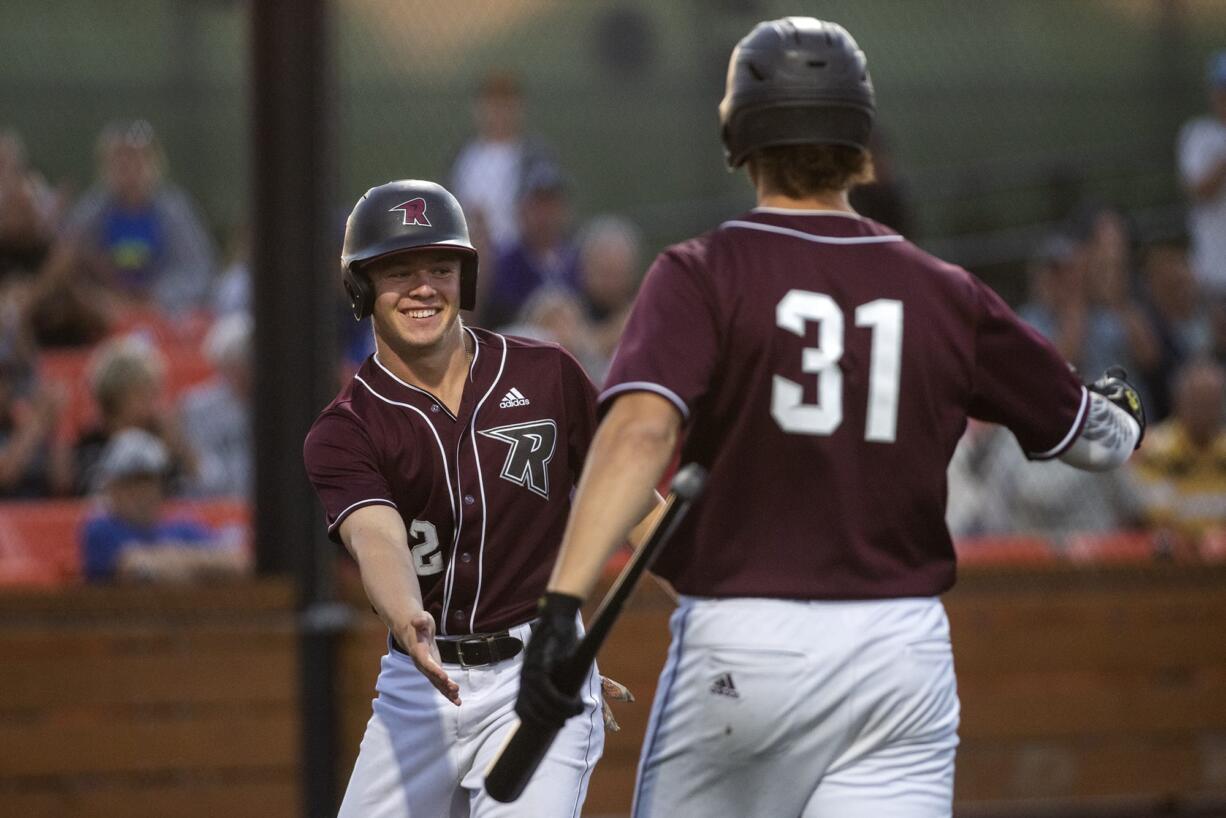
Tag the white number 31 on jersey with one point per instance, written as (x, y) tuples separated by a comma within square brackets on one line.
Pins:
[(884, 318)]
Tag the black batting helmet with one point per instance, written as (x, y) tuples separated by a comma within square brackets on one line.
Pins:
[(409, 214), (795, 81)]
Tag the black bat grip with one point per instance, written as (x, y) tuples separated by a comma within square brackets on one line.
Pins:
[(527, 745), (521, 755)]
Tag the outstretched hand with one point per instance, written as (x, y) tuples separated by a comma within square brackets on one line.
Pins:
[(418, 643)]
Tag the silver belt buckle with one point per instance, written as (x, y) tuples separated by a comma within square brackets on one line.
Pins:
[(459, 649)]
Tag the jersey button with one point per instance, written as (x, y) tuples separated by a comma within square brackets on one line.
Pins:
[(469, 499), (435, 409), (458, 614), (466, 557)]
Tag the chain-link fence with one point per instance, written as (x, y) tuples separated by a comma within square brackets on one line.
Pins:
[(994, 111), (998, 119)]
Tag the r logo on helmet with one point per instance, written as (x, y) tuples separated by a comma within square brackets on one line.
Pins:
[(414, 212)]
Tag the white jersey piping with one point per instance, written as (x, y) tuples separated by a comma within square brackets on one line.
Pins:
[(788, 211), (471, 368), (449, 574), (472, 618), (455, 520), (646, 386), (370, 501), (1072, 432), (800, 234)]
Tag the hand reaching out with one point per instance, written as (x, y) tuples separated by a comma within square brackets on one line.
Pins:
[(419, 644)]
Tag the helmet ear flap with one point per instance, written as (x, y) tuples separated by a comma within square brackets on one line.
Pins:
[(468, 283), (361, 294)]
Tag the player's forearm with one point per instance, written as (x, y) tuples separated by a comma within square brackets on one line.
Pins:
[(616, 491), (638, 534), (390, 581)]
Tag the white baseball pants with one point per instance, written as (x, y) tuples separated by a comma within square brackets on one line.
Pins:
[(799, 709), (423, 757)]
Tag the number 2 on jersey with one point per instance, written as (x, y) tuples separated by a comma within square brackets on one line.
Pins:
[(427, 556), (884, 318)]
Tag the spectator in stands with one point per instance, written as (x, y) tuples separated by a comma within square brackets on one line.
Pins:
[(488, 173), (976, 506), (29, 210), (1182, 466), (556, 315), (216, 416), (544, 255), (140, 230), (126, 379), (1180, 319), (34, 461), (1120, 327), (994, 489), (17, 347), (1081, 299), (232, 290), (1202, 168), (67, 304), (129, 538), (1057, 302), (609, 250)]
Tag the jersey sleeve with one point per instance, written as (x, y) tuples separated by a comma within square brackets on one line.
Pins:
[(580, 396), (341, 463), (1021, 382), (672, 337)]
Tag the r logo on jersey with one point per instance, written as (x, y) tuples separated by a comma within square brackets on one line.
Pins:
[(532, 446), (414, 212)]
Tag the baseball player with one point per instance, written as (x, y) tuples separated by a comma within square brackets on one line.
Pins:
[(446, 468), (822, 368)]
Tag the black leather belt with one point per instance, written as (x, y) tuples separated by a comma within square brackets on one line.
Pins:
[(477, 650)]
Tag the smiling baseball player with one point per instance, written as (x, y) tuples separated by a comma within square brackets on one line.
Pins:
[(822, 369), (446, 468)]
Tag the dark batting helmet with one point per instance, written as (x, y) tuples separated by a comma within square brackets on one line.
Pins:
[(409, 214), (795, 81)]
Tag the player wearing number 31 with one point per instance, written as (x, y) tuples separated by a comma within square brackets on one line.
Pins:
[(822, 368), (446, 468)]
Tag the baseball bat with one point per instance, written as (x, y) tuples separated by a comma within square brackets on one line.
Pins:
[(526, 744)]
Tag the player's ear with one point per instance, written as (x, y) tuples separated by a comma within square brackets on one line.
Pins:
[(361, 292)]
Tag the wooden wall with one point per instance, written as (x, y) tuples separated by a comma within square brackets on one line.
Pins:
[(149, 702), (1079, 687)]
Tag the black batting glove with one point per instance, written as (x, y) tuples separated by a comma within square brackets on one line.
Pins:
[(1114, 386), (552, 642)]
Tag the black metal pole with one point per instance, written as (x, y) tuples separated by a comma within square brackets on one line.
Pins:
[(295, 288)]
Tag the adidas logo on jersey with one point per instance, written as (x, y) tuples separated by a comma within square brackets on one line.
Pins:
[(723, 686), (513, 398)]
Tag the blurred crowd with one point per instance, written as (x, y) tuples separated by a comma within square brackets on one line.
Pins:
[(1159, 310), (125, 339), (124, 359)]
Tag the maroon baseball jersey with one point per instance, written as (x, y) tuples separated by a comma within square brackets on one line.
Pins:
[(484, 494), (826, 368)]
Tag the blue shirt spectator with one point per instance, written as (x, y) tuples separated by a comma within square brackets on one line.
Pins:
[(543, 256), (141, 230), (106, 537), (130, 539)]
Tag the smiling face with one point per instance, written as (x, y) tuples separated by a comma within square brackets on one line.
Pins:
[(417, 300)]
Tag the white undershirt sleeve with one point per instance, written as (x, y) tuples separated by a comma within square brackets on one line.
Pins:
[(1108, 437)]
